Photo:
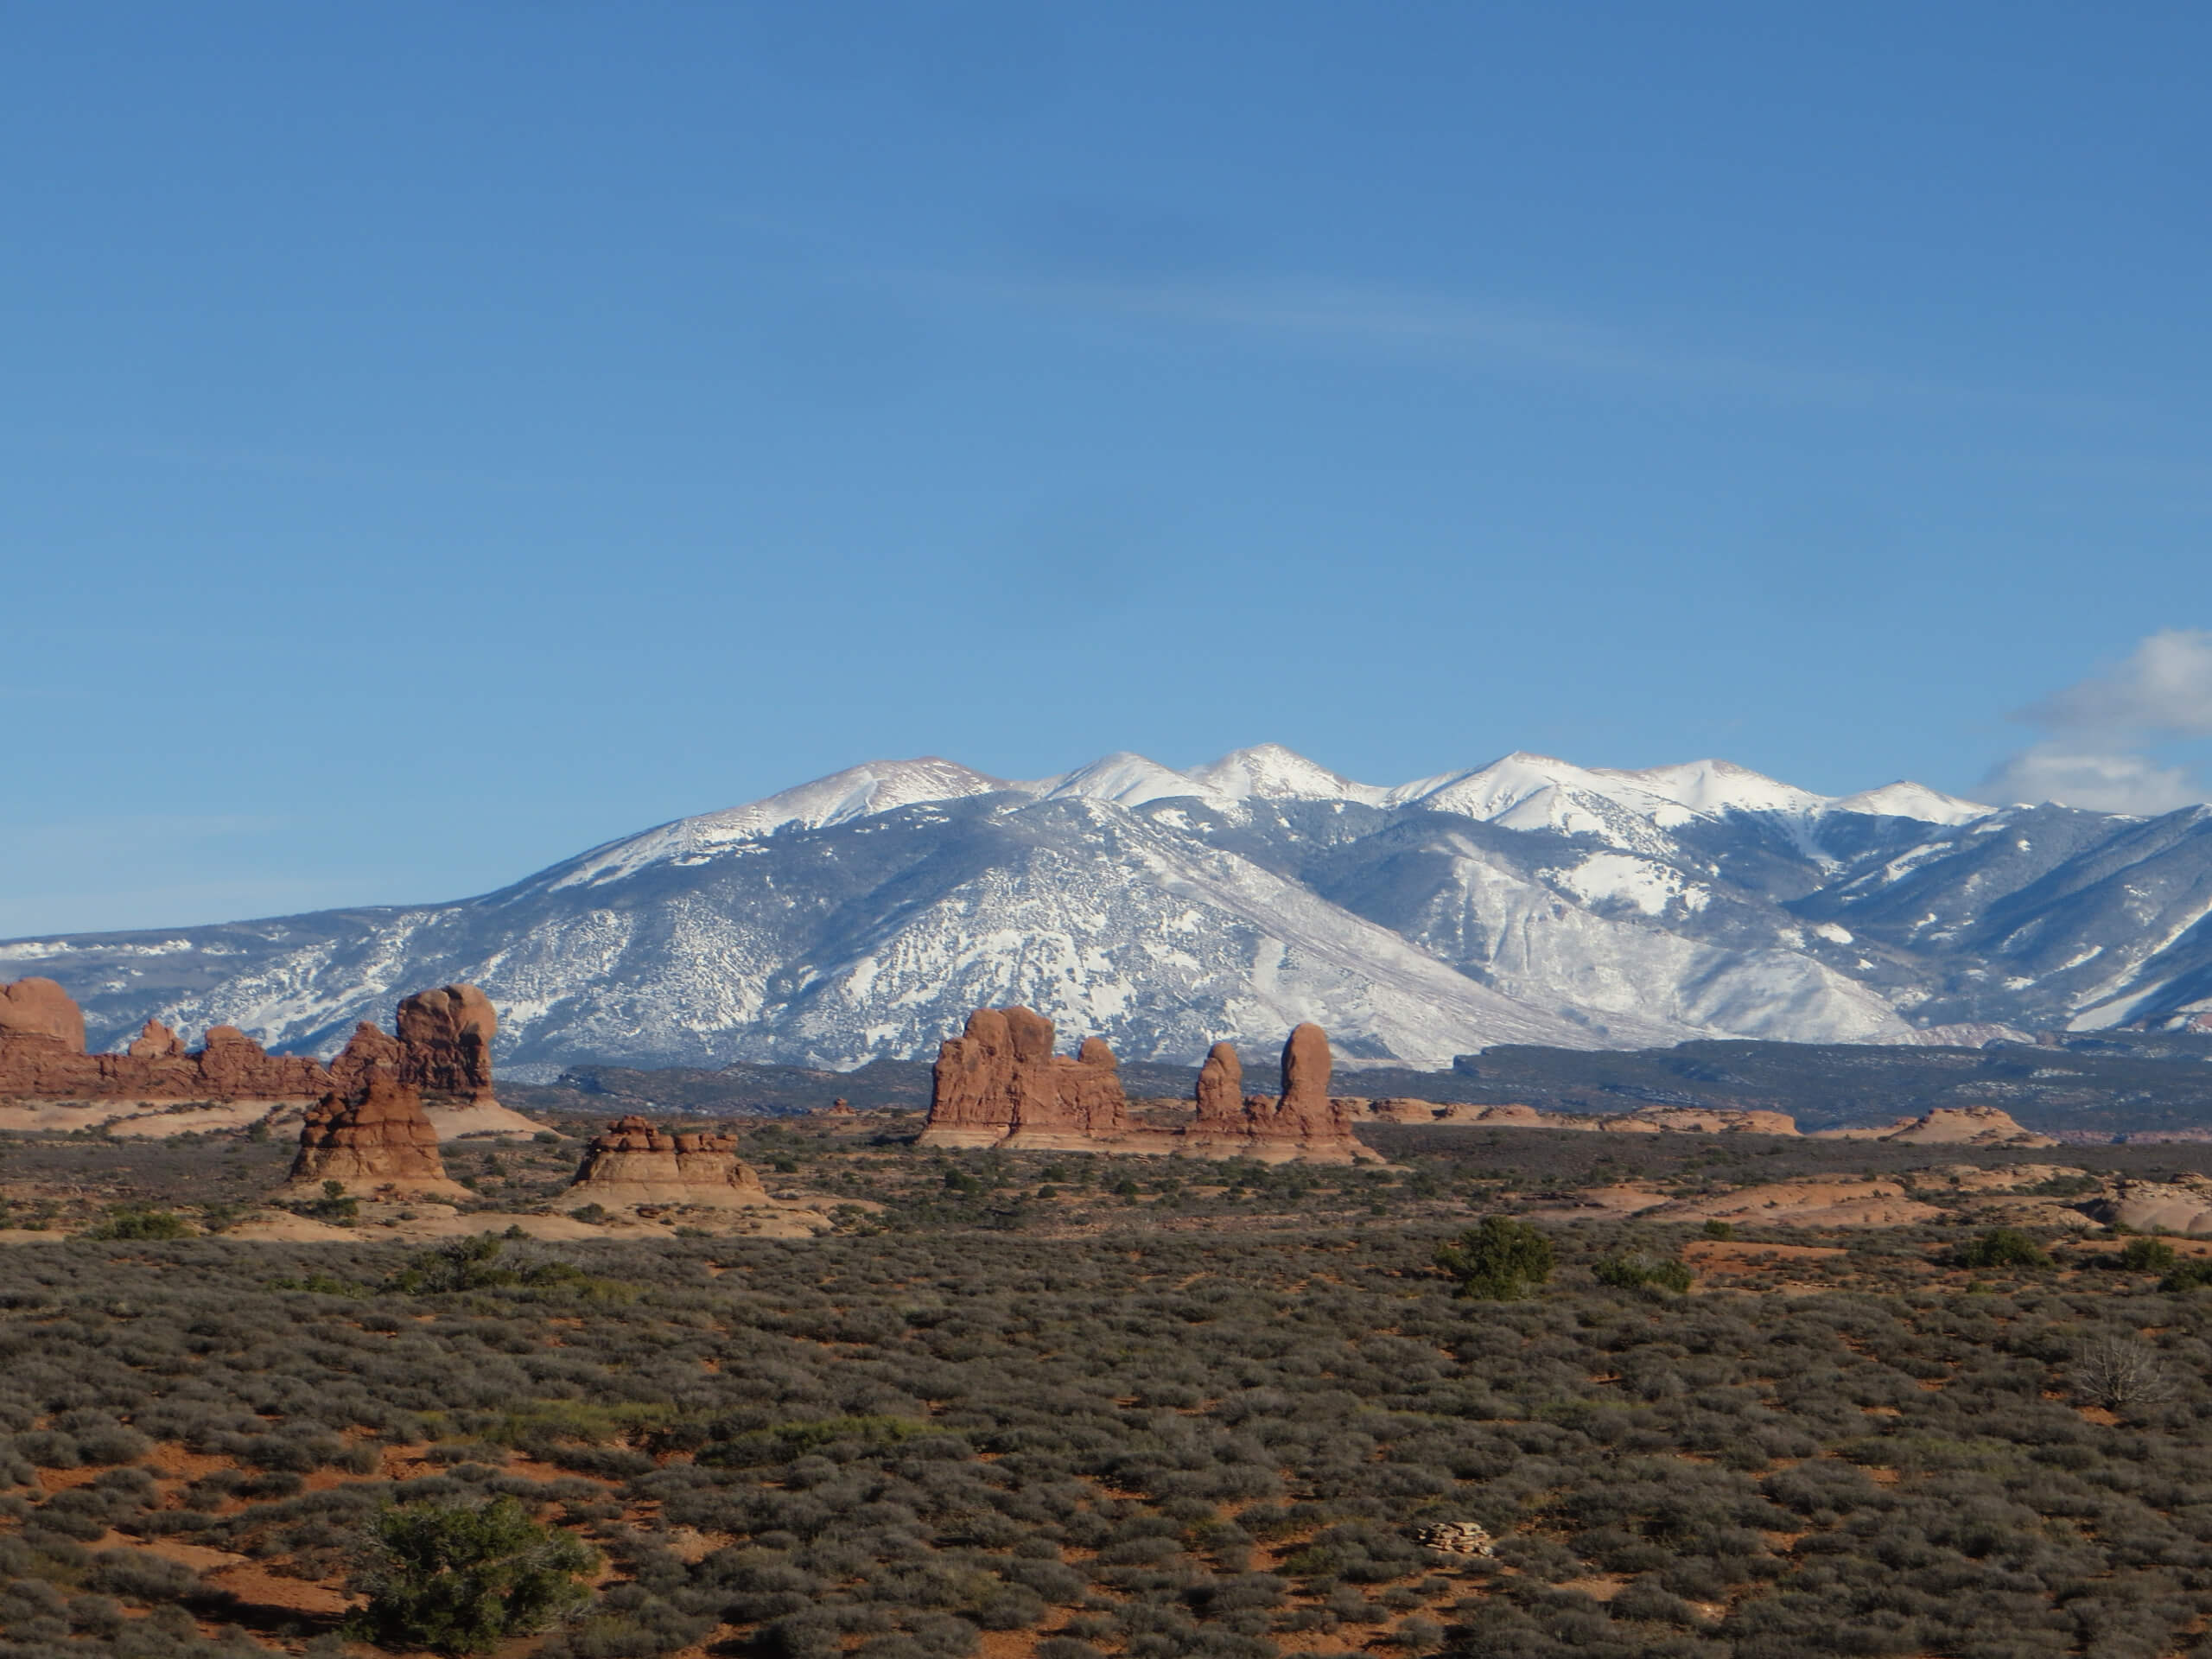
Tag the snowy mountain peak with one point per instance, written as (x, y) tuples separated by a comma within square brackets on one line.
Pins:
[(1270, 771), (864, 914), (1522, 790), (1711, 787), (857, 791), (1540, 791), (1906, 799), (1121, 777)]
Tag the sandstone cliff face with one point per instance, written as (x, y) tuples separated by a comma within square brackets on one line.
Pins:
[(446, 1036), (378, 1142), (634, 1163), (1000, 1081)]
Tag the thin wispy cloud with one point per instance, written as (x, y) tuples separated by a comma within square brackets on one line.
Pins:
[(1475, 332)]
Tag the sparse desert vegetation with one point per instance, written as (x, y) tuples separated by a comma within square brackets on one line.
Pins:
[(1070, 1406)]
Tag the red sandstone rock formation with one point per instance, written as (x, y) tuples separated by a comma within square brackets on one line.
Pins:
[(232, 1066), (444, 1050), (39, 1008), (1304, 1123), (368, 1048), (634, 1163), (155, 1041), (42, 1058), (378, 1141), (1221, 1090), (447, 1036), (1000, 1080)]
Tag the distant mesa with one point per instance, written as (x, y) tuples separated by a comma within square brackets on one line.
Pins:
[(375, 1140), (634, 1163), (1000, 1083)]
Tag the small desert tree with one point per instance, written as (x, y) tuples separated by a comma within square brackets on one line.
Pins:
[(459, 1580), (1498, 1261)]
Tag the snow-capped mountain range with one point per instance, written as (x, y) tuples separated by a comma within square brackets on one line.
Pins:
[(1527, 901)]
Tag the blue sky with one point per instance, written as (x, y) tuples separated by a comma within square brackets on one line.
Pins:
[(441, 438)]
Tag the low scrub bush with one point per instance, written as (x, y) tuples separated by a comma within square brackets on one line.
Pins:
[(457, 1579), (2003, 1247)]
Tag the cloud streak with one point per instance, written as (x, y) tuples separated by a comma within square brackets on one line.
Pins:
[(1477, 331), (2091, 755)]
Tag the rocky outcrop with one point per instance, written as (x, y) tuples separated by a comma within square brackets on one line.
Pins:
[(42, 1058), (1862, 1201), (368, 1048), (155, 1041), (443, 1050), (445, 1039), (378, 1143), (1648, 1119), (1947, 1125), (2179, 1206), (634, 1163), (1221, 1087), (999, 1083), (1304, 1123), (41, 1009)]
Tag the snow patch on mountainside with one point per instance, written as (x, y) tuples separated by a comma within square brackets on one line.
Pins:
[(1604, 878)]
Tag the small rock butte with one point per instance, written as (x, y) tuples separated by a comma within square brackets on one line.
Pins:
[(634, 1163)]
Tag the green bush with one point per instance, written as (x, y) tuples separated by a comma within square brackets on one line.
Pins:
[(1501, 1261), (1720, 1230), (2145, 1255), (459, 1580), (2003, 1247), (1637, 1271), (2194, 1273), (128, 1223)]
